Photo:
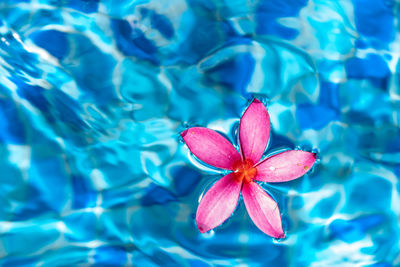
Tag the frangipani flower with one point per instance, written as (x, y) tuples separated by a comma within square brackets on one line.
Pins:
[(221, 199)]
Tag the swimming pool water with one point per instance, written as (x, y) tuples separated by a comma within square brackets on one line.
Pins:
[(94, 94)]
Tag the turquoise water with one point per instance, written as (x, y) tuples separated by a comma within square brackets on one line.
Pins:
[(94, 94)]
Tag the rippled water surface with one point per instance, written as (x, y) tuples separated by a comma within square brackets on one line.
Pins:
[(93, 95)]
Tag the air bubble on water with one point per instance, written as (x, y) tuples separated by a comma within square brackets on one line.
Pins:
[(279, 240), (180, 139), (184, 125), (208, 234), (303, 147), (315, 150)]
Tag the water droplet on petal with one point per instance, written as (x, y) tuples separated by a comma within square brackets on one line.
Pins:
[(272, 168)]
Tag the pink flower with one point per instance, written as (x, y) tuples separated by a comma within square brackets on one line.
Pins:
[(220, 201)]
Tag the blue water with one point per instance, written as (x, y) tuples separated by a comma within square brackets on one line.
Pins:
[(93, 95)]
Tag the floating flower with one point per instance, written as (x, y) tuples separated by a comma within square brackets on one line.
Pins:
[(220, 201)]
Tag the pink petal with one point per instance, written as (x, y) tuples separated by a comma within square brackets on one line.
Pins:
[(254, 131), (285, 166), (263, 210), (218, 203), (211, 147)]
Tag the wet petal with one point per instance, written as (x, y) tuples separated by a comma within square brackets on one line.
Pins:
[(254, 131), (218, 203), (211, 147), (263, 210), (285, 166)]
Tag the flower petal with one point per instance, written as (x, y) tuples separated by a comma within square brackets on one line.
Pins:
[(211, 147), (218, 203), (263, 210), (285, 166), (254, 131)]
